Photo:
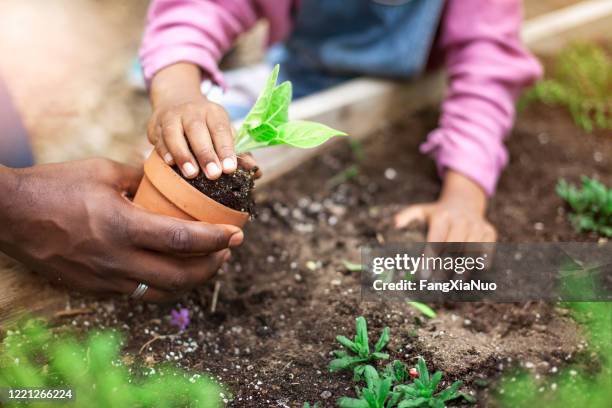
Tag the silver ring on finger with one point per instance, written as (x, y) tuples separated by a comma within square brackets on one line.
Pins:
[(139, 292)]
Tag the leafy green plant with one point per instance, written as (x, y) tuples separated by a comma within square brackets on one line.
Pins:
[(34, 356), (422, 392), (397, 371), (394, 386), (376, 394), (315, 405), (592, 205), (582, 82), (267, 123), (357, 352)]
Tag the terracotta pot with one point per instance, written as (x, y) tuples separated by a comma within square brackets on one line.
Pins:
[(163, 191)]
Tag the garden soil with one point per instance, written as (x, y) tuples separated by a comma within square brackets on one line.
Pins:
[(286, 294)]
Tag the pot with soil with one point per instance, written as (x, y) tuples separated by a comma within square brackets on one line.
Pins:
[(228, 200)]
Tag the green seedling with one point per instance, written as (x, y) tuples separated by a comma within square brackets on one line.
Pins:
[(581, 81), (357, 352), (424, 309), (422, 392), (33, 356), (268, 124), (351, 266), (376, 394), (345, 175), (315, 405), (397, 371), (592, 205)]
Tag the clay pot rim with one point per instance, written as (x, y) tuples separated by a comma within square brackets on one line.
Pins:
[(181, 193)]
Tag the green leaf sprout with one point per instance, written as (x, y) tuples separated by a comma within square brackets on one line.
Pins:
[(267, 124)]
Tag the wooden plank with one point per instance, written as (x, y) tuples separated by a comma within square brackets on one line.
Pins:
[(357, 107), (25, 292)]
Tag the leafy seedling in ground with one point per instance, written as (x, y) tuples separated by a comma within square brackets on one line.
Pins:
[(357, 352), (592, 205), (422, 392), (396, 385)]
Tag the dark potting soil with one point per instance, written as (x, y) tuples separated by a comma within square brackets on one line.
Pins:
[(286, 294), (233, 190)]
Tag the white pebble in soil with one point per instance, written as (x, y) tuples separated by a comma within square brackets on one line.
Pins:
[(390, 174)]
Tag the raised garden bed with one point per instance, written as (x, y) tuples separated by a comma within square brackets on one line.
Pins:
[(283, 299)]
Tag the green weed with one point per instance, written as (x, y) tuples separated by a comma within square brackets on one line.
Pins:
[(581, 81), (592, 205)]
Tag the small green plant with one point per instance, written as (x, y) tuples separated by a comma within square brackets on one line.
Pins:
[(581, 82), (395, 385), (422, 392), (424, 309), (315, 405), (34, 356), (351, 266), (267, 123), (592, 205), (376, 394), (357, 352)]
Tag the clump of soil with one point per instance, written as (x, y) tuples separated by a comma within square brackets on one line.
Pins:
[(233, 190)]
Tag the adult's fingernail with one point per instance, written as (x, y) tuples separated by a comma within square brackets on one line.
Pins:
[(189, 169), (236, 239), (229, 164), (212, 169), (168, 158), (227, 255)]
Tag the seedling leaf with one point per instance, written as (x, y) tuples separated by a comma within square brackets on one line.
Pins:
[(305, 134), (424, 309), (267, 123)]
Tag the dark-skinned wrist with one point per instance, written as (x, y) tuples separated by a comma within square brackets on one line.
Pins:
[(9, 190)]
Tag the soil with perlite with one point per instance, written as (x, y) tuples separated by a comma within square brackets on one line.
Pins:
[(285, 295), (233, 190)]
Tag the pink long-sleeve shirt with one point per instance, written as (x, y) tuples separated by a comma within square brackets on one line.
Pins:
[(478, 40)]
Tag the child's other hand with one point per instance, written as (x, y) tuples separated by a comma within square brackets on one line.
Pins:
[(457, 216), (189, 130)]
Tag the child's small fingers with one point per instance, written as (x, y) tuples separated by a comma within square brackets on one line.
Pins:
[(153, 131), (163, 152), (199, 140), (247, 162), (174, 139), (222, 135), (414, 213)]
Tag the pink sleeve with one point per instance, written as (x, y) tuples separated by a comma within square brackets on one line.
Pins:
[(487, 68), (201, 31)]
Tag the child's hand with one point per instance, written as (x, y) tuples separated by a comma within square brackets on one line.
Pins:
[(457, 216), (198, 124), (189, 130)]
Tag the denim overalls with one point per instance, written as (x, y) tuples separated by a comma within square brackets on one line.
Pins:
[(335, 40)]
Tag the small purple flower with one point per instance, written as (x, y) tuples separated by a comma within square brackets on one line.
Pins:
[(180, 318)]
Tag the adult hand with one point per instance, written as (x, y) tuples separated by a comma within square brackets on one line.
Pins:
[(457, 216), (72, 223)]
